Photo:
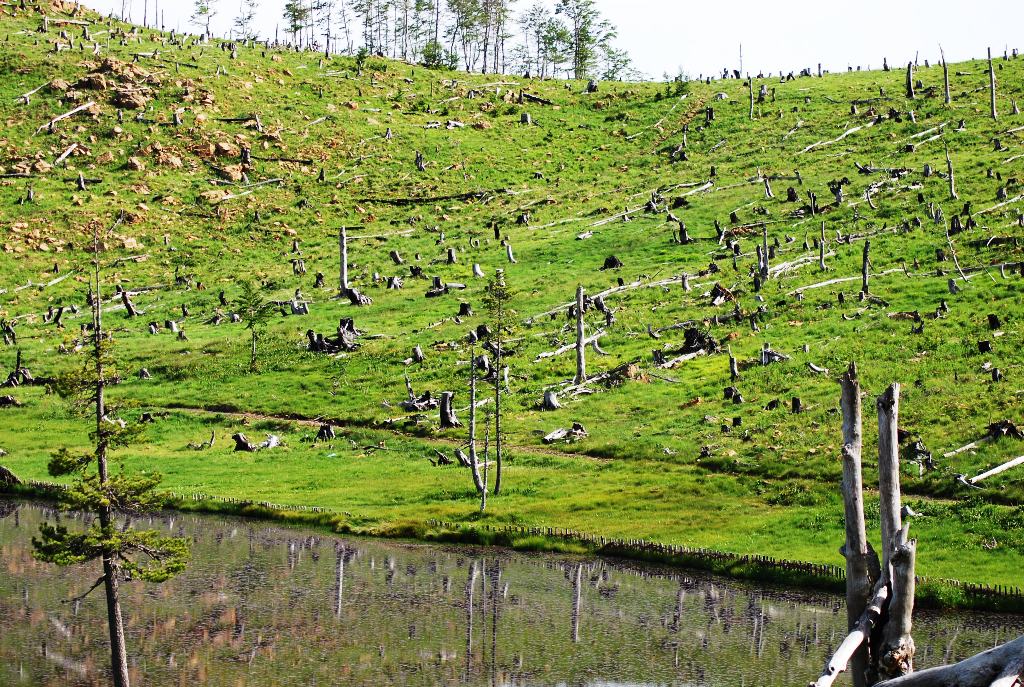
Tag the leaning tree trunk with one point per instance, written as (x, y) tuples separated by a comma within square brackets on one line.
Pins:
[(992, 84), (945, 75), (859, 584)]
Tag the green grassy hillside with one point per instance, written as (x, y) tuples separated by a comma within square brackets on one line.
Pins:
[(333, 143)]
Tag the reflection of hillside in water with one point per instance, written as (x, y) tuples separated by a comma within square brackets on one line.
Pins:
[(268, 605)]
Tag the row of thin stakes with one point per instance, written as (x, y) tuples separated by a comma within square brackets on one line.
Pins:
[(615, 546)]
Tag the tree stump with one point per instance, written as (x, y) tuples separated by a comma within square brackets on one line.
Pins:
[(447, 412), (550, 400)]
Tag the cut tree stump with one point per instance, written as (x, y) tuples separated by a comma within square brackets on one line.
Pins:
[(447, 412), (551, 400)]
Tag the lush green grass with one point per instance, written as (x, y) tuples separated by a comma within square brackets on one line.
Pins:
[(769, 486), (618, 499)]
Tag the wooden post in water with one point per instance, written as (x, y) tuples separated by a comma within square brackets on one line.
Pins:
[(888, 405), (857, 550), (896, 657)]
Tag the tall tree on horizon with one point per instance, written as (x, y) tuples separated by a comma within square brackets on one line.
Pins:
[(590, 32), (245, 21), (203, 12), (296, 14)]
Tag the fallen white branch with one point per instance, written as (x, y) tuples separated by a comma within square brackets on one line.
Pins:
[(1003, 204), (841, 137), (996, 470), (840, 280), (65, 154), (65, 116), (568, 347)]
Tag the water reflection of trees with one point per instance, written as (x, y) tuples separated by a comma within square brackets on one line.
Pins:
[(269, 605)]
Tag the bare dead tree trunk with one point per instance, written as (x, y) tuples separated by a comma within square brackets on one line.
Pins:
[(864, 269), (888, 405), (821, 249), (128, 305), (952, 178), (765, 266), (343, 260), (945, 75), (910, 80), (487, 442), (992, 84), (857, 552), (498, 356), (897, 651), (750, 85), (581, 356)]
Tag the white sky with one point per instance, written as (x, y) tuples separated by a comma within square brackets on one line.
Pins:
[(704, 37)]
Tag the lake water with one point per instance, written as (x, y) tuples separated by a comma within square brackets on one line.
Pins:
[(268, 605)]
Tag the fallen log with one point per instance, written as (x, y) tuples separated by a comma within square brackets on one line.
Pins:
[(840, 138), (471, 195), (568, 347), (535, 98), (996, 470), (840, 280), (669, 364), (1003, 204), (576, 433), (71, 113), (998, 667)]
